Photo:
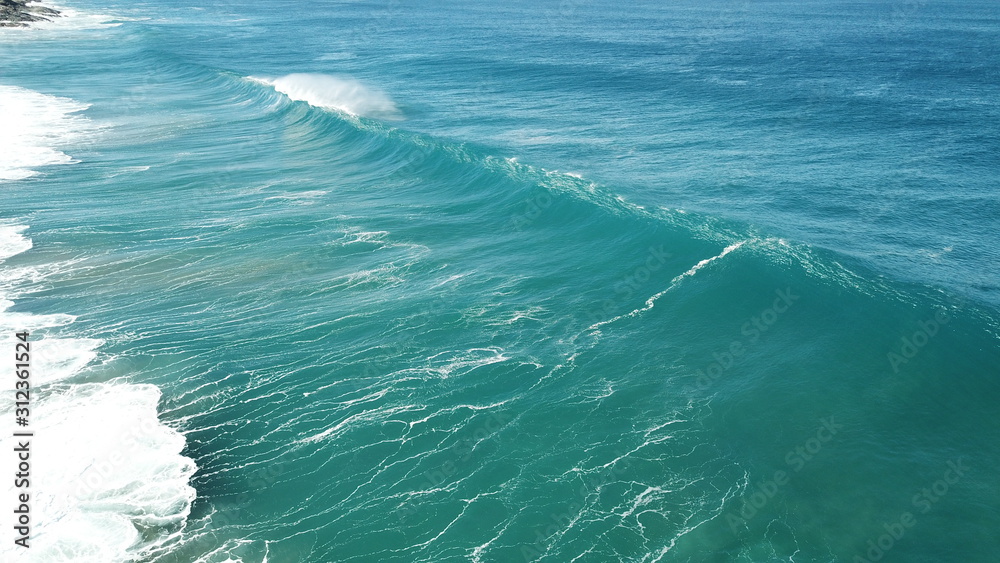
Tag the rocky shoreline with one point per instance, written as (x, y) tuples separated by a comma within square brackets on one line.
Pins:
[(17, 13)]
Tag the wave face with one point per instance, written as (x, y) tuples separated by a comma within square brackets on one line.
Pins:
[(613, 293)]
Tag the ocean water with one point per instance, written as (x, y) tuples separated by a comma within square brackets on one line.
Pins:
[(460, 281)]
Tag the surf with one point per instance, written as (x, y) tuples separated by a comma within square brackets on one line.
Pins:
[(111, 483), (339, 93)]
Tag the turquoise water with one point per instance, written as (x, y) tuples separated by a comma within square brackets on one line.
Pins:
[(460, 282)]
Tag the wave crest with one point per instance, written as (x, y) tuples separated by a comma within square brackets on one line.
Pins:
[(333, 92)]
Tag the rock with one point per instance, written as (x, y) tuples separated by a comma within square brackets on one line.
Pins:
[(17, 13)]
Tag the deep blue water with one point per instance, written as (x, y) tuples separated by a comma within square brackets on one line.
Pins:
[(564, 281)]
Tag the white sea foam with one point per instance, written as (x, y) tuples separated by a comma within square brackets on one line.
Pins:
[(35, 126), (12, 242), (107, 481), (651, 302), (57, 359), (334, 92), (306, 197), (375, 414), (451, 363)]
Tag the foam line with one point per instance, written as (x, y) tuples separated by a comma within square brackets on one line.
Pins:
[(651, 302)]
